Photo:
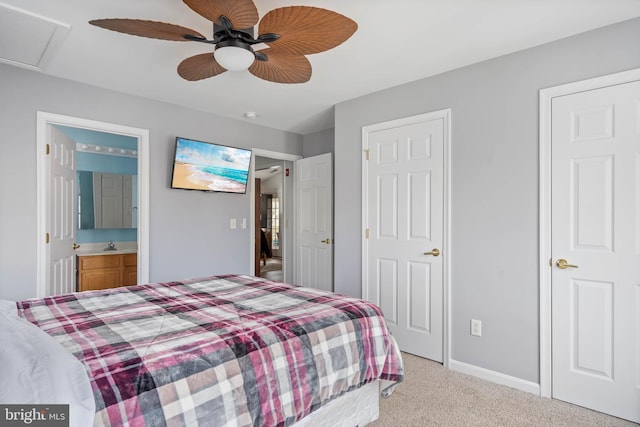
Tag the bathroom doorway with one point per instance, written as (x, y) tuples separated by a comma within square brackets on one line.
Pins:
[(49, 281)]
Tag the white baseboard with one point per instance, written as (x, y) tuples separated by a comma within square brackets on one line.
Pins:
[(496, 377)]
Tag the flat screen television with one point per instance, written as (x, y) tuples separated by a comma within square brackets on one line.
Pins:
[(205, 166)]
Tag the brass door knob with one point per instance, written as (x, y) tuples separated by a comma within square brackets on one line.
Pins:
[(434, 252), (326, 241), (563, 264)]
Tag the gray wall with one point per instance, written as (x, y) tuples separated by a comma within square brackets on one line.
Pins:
[(317, 143), (494, 215), (189, 230)]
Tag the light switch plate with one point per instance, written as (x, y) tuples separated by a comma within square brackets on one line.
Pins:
[(476, 327)]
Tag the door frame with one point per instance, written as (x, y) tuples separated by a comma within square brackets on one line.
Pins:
[(545, 182), (446, 226), (286, 252), (44, 121)]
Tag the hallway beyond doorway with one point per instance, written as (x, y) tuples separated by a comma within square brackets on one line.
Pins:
[(272, 270)]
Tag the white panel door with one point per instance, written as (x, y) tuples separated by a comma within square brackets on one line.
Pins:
[(595, 223), (405, 217), (62, 217), (314, 224)]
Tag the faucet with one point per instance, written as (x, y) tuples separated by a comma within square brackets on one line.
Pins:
[(110, 246)]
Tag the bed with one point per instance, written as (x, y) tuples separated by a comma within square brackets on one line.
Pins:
[(227, 350)]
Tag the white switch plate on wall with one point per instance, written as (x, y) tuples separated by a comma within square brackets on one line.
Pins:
[(233, 224), (476, 327)]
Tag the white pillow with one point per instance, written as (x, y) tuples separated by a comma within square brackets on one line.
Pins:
[(9, 308), (38, 370)]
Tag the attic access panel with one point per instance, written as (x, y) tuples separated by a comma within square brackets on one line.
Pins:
[(28, 40)]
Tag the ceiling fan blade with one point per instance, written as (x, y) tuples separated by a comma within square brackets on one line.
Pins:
[(305, 30), (200, 67), (242, 13), (282, 67), (151, 29)]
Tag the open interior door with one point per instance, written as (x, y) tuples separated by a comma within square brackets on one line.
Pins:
[(62, 214), (314, 222)]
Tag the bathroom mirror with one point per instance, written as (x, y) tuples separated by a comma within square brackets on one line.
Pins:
[(106, 200)]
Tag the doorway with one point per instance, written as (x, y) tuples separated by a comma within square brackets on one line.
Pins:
[(45, 131), (589, 243), (273, 176), (269, 180)]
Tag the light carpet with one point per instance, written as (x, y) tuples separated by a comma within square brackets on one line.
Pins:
[(434, 396), (273, 264)]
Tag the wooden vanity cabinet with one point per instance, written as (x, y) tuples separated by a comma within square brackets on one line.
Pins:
[(107, 271), (130, 271)]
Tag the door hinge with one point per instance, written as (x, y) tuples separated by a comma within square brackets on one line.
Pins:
[(366, 154), (47, 149), (366, 233), (46, 238)]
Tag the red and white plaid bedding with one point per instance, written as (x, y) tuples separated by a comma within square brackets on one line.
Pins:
[(220, 351)]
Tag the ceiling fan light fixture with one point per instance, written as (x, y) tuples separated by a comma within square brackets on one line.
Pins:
[(291, 33), (234, 55)]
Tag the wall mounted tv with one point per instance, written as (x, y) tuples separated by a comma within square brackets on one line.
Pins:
[(205, 166)]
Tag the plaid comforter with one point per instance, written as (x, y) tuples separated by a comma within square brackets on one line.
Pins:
[(218, 351)]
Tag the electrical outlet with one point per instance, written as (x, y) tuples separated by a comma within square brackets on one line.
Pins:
[(476, 327)]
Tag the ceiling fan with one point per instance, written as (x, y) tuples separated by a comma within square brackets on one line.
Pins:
[(290, 33)]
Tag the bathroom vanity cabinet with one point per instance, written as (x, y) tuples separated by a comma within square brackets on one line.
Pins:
[(106, 271)]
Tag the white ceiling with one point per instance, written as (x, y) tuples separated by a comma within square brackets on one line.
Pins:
[(397, 41)]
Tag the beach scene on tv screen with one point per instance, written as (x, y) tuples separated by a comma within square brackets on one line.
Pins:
[(210, 167)]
